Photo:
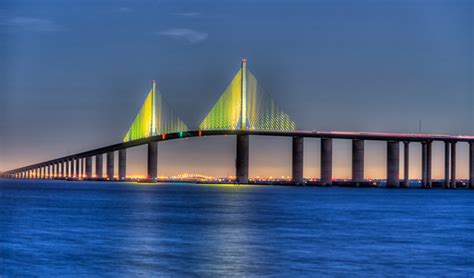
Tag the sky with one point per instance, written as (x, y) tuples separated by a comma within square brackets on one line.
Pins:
[(73, 75)]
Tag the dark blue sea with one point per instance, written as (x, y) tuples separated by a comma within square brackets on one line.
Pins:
[(92, 229)]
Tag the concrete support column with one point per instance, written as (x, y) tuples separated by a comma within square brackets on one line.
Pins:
[(393, 164), (61, 169), (67, 168), (429, 163), (99, 165), (471, 165), (41, 172), (357, 161), (453, 165), (446, 164), (242, 159), (83, 168), (78, 162), (89, 167), (110, 165), (406, 164), (73, 169), (326, 161), (122, 164), (152, 160), (424, 161), (297, 160)]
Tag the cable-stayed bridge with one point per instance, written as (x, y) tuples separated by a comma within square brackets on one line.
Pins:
[(245, 109)]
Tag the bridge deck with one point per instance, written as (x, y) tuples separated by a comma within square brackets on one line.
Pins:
[(376, 136)]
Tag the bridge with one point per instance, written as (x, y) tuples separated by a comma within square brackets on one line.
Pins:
[(243, 110)]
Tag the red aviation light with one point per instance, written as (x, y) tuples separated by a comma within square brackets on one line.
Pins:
[(163, 136)]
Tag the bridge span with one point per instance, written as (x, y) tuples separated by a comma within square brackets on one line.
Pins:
[(244, 109), (80, 165)]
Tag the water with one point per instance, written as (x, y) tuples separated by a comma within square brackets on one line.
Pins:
[(57, 228)]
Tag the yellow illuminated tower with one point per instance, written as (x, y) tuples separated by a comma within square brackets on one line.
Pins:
[(153, 108), (243, 68)]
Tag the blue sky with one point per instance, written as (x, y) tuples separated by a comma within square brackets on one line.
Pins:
[(73, 74)]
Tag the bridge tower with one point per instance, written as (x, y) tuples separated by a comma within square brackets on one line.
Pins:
[(242, 149), (243, 106), (154, 118)]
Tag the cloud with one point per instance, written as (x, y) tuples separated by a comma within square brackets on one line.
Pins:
[(31, 24), (125, 10), (187, 14), (192, 36)]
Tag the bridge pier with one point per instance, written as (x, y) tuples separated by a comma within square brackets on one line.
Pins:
[(83, 168), (446, 164), (66, 166), (242, 159), (110, 165), (297, 160), (99, 165), (429, 163), (406, 164), (393, 164), (78, 162), (357, 161), (326, 161), (122, 164), (152, 160), (61, 169), (424, 162), (471, 165), (89, 167), (453, 165)]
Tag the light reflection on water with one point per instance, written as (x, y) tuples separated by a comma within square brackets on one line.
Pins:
[(51, 228)]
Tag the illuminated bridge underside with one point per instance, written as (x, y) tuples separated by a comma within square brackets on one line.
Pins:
[(260, 109), (166, 121)]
